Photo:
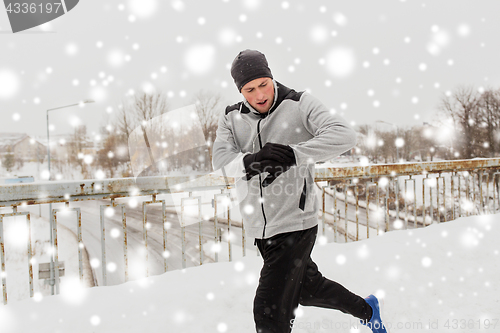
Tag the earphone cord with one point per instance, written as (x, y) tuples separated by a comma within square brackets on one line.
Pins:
[(253, 142)]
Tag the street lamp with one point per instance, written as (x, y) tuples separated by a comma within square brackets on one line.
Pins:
[(48, 135), (52, 279), (399, 142)]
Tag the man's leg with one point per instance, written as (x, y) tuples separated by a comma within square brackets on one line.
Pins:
[(277, 296), (321, 292)]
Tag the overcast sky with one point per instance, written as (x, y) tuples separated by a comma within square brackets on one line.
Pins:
[(387, 60)]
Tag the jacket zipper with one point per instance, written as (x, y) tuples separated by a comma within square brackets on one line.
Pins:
[(260, 185)]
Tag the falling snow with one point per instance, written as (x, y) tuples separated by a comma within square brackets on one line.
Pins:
[(198, 42)]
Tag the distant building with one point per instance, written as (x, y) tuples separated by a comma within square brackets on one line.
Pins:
[(23, 147)]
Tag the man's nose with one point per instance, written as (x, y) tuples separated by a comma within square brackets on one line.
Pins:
[(260, 95)]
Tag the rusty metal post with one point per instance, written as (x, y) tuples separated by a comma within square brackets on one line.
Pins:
[(145, 230), (406, 203), (229, 232), (243, 240), (336, 216), (3, 272), (216, 231), (2, 262), (414, 202), (80, 242), (431, 204), (183, 238), (357, 211), (200, 230), (164, 225), (452, 183), (423, 201), (55, 251), (467, 192), (414, 182), (444, 200), (183, 228), (396, 190), (216, 222), (103, 246), (387, 193), (103, 239), (368, 185), (323, 193), (30, 253), (367, 189), (488, 192), (496, 194), (474, 190), (79, 237), (145, 234), (482, 198), (437, 198), (345, 215), (378, 207), (459, 197), (125, 245)]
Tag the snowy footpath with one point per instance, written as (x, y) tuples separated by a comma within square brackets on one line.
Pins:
[(443, 278)]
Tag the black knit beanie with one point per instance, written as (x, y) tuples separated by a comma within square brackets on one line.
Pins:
[(249, 65)]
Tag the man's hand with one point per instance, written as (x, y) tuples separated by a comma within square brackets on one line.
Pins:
[(273, 158), (273, 151)]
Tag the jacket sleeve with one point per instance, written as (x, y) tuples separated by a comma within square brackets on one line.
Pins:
[(227, 158), (332, 135)]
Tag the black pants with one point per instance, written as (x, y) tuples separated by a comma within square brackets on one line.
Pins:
[(289, 277)]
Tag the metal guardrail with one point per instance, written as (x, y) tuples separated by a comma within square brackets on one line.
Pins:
[(376, 189)]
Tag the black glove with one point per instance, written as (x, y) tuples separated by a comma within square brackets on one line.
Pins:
[(256, 168), (272, 158), (273, 151)]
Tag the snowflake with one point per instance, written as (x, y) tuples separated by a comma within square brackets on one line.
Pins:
[(143, 8), (426, 262), (319, 34), (200, 59), (341, 61), (239, 266), (340, 259)]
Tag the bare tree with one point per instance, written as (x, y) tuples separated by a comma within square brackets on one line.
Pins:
[(489, 118), (123, 122), (138, 109), (135, 112), (8, 161), (462, 107), (209, 106)]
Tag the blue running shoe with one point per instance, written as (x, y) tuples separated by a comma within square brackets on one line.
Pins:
[(375, 323)]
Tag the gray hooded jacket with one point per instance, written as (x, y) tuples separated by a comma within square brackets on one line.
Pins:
[(296, 119)]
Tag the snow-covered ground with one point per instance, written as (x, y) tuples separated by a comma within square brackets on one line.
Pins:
[(442, 278)]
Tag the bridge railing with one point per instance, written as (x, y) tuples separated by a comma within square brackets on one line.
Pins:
[(199, 218)]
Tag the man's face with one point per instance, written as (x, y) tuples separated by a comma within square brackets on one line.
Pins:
[(259, 93)]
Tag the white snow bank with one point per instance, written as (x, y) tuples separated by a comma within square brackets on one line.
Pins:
[(431, 279)]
